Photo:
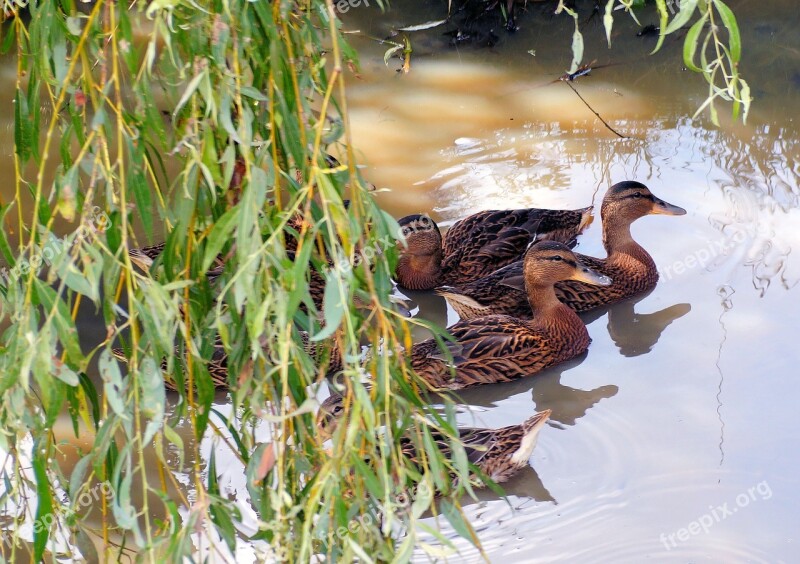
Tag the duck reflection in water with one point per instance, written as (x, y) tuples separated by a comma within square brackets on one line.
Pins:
[(567, 404), (636, 333)]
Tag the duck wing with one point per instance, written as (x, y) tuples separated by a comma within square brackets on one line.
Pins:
[(500, 293), (486, 241), (495, 348)]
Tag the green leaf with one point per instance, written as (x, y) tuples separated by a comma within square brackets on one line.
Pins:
[(423, 499), (65, 373), (334, 304), (44, 506), (690, 44), (374, 485), (176, 440), (23, 133), (456, 518), (662, 16), (114, 386), (5, 247), (219, 236), (153, 399), (65, 326), (190, 89), (608, 20), (577, 48), (406, 550), (141, 191), (77, 475), (746, 99), (734, 37), (688, 8)]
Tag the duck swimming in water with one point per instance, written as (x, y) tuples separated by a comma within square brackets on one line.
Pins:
[(498, 453), (500, 348), (479, 244), (630, 267)]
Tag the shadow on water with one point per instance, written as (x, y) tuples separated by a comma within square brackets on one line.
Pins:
[(636, 333), (547, 392)]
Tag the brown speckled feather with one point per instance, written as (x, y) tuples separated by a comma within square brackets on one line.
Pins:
[(488, 240), (630, 275), (498, 453), (501, 292), (500, 348), (218, 363), (630, 267)]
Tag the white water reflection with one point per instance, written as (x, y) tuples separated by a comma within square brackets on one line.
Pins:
[(686, 396)]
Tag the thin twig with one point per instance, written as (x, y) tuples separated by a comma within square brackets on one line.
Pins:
[(614, 131)]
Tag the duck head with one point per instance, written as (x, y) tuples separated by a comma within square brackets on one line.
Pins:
[(624, 203), (548, 262), (420, 263), (329, 414)]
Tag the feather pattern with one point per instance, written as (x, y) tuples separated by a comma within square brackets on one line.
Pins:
[(479, 244), (630, 267), (217, 364), (498, 453), (501, 348)]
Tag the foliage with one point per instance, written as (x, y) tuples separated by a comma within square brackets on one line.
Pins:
[(716, 55), (203, 123)]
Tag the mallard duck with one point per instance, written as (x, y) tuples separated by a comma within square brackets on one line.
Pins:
[(479, 244), (629, 266), (498, 453), (144, 257), (217, 365), (500, 348)]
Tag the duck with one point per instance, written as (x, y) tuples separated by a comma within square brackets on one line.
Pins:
[(144, 257), (501, 348), (498, 453), (479, 244), (217, 365), (630, 267)]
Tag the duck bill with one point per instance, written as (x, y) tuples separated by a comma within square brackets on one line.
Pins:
[(660, 207), (589, 276)]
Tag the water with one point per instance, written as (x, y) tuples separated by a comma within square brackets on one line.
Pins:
[(685, 401)]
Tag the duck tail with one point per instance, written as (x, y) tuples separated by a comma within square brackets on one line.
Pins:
[(530, 428), (119, 354), (587, 216), (465, 306), (140, 259)]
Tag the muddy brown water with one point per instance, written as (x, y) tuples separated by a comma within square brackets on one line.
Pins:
[(675, 438)]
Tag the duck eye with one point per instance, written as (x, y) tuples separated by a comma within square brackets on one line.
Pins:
[(637, 195), (337, 410), (556, 258)]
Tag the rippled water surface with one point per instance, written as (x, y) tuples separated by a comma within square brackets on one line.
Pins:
[(675, 437), (683, 411)]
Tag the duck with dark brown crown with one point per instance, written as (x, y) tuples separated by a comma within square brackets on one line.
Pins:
[(498, 453), (500, 348), (479, 244), (628, 264)]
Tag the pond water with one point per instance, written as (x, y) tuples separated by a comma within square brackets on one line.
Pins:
[(675, 437)]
